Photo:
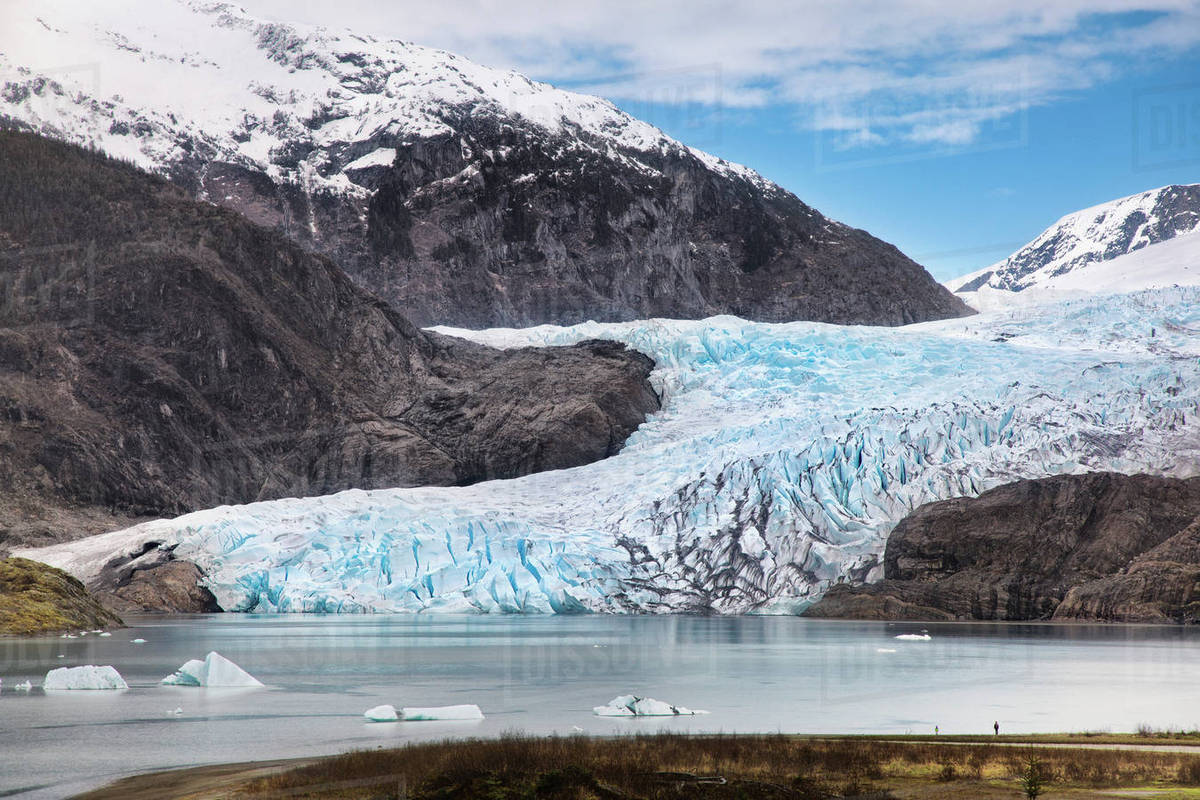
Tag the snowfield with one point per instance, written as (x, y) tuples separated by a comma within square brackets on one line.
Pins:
[(1174, 262), (781, 459), (1084, 239), (170, 82)]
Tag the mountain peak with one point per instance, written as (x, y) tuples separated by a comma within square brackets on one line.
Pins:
[(289, 98), (461, 194), (1092, 235)]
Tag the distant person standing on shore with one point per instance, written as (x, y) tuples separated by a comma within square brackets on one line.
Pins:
[(996, 727)]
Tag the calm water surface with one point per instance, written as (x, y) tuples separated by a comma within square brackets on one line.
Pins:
[(544, 674)]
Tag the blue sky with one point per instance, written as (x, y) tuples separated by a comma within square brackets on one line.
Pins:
[(956, 130), (956, 208)]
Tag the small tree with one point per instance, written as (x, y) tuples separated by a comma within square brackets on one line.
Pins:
[(1033, 778)]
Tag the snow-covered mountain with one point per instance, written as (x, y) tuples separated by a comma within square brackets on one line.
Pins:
[(1172, 262), (460, 193), (1093, 236), (781, 459)]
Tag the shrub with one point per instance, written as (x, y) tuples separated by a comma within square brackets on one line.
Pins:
[(1033, 778)]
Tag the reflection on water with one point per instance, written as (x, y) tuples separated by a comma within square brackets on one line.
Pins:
[(544, 674)]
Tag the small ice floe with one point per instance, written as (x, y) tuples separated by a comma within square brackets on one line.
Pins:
[(628, 705), (384, 713), (137, 641), (80, 678), (914, 637), (885, 650), (61, 655), (413, 714), (214, 670), (24, 686), (105, 633), (98, 630), (175, 712)]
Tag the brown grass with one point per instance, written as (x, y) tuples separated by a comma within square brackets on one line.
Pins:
[(667, 766)]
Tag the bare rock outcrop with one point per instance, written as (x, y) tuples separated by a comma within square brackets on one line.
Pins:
[(1099, 546)]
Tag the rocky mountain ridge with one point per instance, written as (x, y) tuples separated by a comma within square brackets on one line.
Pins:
[(461, 194)]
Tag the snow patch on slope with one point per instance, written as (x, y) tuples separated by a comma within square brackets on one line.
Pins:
[(1174, 262), (1091, 236), (169, 81)]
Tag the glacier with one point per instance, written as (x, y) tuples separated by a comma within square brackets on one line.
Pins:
[(781, 459)]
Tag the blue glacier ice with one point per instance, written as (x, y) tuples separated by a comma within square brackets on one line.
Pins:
[(781, 459)]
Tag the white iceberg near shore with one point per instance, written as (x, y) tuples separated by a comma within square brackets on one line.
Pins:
[(628, 705), (414, 714), (88, 677), (914, 637), (384, 713), (215, 671)]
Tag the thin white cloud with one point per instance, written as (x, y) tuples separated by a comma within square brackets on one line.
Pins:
[(876, 71)]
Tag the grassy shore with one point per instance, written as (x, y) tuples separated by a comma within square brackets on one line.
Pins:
[(721, 767)]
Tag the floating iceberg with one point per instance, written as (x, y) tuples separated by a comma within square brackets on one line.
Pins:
[(24, 686), (914, 637), (137, 641), (411, 714), (782, 458), (384, 713), (215, 670), (88, 677), (628, 705)]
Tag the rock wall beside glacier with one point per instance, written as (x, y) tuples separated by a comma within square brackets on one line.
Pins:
[(1098, 546)]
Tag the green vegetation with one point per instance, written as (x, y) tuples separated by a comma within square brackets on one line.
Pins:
[(1033, 778), (37, 598)]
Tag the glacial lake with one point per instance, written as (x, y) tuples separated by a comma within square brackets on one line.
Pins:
[(544, 675)]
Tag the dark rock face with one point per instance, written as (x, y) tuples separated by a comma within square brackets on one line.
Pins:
[(1160, 585), (172, 587), (1101, 546), (159, 355), (505, 224)]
